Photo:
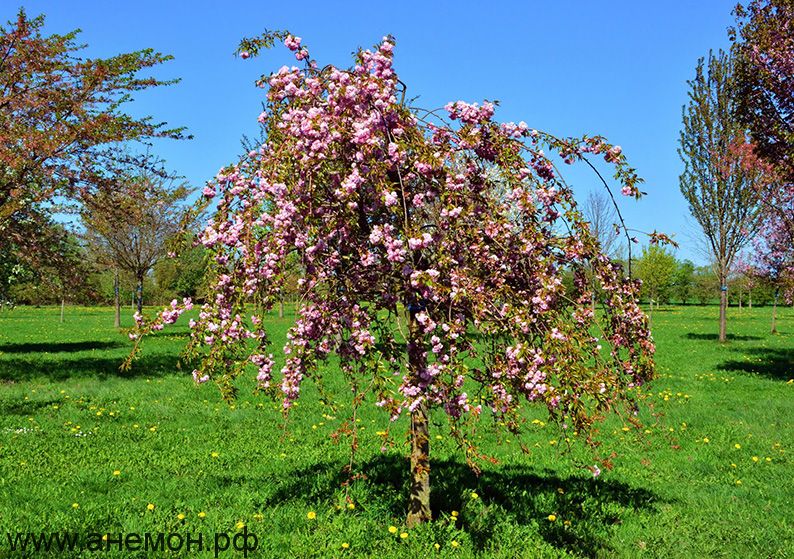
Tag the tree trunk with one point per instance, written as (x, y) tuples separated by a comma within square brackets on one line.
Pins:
[(774, 313), (723, 308), (140, 294), (419, 500), (280, 304), (63, 304), (750, 300), (116, 300), (740, 299)]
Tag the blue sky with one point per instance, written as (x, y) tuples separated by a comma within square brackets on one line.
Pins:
[(618, 69)]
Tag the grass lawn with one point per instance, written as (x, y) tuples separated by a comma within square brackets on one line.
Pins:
[(87, 449)]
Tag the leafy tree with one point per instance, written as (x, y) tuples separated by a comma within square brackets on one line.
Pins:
[(721, 181), (764, 45), (705, 285), (656, 268), (61, 121), (684, 281), (131, 224), (183, 274), (415, 264)]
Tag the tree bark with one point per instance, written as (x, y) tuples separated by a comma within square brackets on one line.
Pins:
[(140, 294), (280, 304), (419, 500), (116, 300), (774, 313), (723, 308), (63, 304)]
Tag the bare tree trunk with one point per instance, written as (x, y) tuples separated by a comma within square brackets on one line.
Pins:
[(723, 307), (419, 500), (774, 313), (140, 294), (740, 299), (280, 304), (63, 304), (116, 300), (750, 299)]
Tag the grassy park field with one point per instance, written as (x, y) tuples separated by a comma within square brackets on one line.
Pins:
[(86, 448)]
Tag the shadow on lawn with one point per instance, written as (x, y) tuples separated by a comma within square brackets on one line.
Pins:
[(56, 347), (509, 495), (774, 363), (711, 337), (23, 369)]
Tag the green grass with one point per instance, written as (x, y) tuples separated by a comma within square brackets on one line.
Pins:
[(69, 419)]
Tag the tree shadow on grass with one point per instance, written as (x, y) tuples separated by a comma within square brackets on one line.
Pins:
[(711, 337), (774, 363), (509, 495), (101, 368), (58, 347)]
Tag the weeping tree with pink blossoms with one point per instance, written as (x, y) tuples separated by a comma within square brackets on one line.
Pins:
[(433, 247)]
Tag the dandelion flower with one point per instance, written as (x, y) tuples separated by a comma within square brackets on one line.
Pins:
[(737, 446), (345, 545), (75, 506), (351, 506), (202, 514), (150, 506), (116, 472), (180, 516), (552, 517), (705, 439), (454, 514), (454, 543), (474, 496), (755, 458), (436, 546), (240, 525), (392, 529), (403, 535), (311, 515), (214, 454)]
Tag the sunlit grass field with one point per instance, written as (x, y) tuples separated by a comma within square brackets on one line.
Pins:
[(87, 449)]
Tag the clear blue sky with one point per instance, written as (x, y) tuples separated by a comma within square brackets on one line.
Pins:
[(614, 68)]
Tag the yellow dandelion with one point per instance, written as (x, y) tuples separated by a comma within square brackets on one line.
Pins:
[(392, 529), (552, 517), (737, 446), (474, 496), (738, 482), (439, 437), (733, 465), (345, 545), (454, 543), (75, 506), (240, 525), (214, 454), (403, 535), (454, 514), (180, 516), (755, 458), (706, 440), (150, 506), (311, 515), (202, 514), (351, 506), (116, 472), (436, 546)]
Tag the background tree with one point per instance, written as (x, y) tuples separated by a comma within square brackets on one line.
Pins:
[(183, 274), (719, 182), (764, 46), (415, 264), (131, 224), (684, 281), (656, 267), (61, 120), (599, 211)]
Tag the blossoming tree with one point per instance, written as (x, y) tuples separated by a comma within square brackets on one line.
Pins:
[(433, 247)]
